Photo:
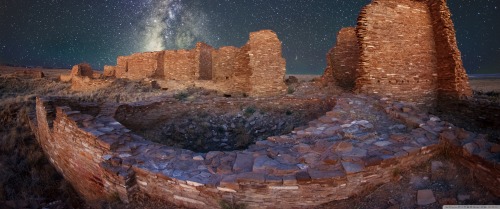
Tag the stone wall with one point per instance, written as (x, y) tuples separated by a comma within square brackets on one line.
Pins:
[(398, 56), (180, 65), (453, 82), (267, 64), (36, 74), (140, 65), (407, 51), (224, 62), (342, 60), (81, 72), (72, 151), (79, 83), (256, 69), (82, 69), (204, 58), (109, 71)]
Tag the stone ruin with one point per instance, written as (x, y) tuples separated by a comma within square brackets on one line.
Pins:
[(405, 49), (83, 78), (334, 157), (256, 69), (355, 147), (34, 74)]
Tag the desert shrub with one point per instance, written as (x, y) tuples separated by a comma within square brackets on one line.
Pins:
[(249, 111), (25, 172), (181, 96), (224, 204)]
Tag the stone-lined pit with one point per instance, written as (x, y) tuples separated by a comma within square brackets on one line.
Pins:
[(337, 155), (221, 124)]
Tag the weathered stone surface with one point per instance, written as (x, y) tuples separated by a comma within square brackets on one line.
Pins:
[(285, 167), (82, 69), (425, 197), (342, 60), (387, 57), (243, 163)]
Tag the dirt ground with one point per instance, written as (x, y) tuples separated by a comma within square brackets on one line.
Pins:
[(485, 84)]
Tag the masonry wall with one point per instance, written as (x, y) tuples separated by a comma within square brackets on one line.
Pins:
[(256, 69), (398, 56), (267, 64), (453, 82), (180, 65), (72, 151), (240, 82), (140, 65), (342, 60), (204, 59), (223, 63)]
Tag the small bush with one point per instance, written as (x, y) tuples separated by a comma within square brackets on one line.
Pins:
[(181, 96), (249, 111), (224, 204)]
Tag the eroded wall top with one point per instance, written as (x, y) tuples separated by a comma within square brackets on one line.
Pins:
[(256, 69), (407, 50)]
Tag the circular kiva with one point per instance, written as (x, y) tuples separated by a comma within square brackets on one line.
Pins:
[(356, 146)]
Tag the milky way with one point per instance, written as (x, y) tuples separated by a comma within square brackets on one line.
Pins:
[(173, 25), (61, 33)]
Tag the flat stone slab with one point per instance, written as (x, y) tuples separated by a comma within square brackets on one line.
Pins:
[(350, 167), (425, 197), (243, 163)]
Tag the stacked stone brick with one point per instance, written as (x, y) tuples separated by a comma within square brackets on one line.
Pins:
[(256, 69), (342, 60), (407, 50), (453, 81), (83, 78)]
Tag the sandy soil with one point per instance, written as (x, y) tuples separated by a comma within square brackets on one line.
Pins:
[(485, 84)]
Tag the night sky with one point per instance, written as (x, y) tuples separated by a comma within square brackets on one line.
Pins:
[(61, 33)]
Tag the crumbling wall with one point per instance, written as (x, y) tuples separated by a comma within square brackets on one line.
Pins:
[(79, 83), (256, 69), (36, 74), (267, 64), (342, 60), (453, 82), (398, 56), (82, 69), (109, 71), (139, 66)]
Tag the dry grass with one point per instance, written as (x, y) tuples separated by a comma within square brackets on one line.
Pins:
[(25, 173)]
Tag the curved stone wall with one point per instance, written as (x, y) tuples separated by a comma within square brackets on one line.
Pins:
[(335, 157)]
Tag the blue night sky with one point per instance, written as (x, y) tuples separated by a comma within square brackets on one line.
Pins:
[(61, 33)]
